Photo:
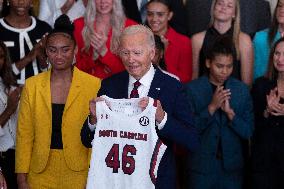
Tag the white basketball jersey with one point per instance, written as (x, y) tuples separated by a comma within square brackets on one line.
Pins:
[(126, 150)]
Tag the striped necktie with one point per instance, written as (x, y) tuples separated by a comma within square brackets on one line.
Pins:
[(134, 92)]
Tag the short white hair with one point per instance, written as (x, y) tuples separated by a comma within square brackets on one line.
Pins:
[(139, 28)]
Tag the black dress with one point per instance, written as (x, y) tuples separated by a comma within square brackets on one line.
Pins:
[(211, 36), (268, 141), (56, 135)]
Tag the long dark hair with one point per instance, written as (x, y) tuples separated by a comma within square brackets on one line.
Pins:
[(273, 27), (160, 46), (272, 73), (6, 70)]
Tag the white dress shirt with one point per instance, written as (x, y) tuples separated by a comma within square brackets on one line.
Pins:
[(8, 131), (143, 91), (50, 10)]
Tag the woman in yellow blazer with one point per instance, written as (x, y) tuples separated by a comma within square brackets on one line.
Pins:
[(53, 108)]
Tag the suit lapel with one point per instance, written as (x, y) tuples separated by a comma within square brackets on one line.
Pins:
[(124, 85), (45, 91), (120, 87), (74, 89), (156, 85)]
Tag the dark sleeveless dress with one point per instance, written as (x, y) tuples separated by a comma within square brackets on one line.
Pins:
[(211, 36), (56, 135)]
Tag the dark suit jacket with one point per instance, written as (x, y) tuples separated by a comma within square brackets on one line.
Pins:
[(178, 128), (177, 22), (217, 127)]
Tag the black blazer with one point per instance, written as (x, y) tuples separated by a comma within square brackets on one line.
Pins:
[(178, 128)]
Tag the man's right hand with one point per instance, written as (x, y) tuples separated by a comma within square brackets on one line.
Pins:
[(92, 108)]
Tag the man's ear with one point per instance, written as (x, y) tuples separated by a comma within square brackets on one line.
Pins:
[(170, 15), (152, 53)]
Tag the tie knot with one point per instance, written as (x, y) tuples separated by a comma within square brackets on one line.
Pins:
[(137, 84)]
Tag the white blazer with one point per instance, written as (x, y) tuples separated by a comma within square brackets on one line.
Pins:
[(8, 131)]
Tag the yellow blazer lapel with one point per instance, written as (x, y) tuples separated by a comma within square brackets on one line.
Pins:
[(45, 91), (74, 89)]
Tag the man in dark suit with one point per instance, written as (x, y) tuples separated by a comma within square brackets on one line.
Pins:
[(173, 115)]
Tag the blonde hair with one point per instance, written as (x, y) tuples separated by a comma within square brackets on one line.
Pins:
[(117, 24), (236, 24)]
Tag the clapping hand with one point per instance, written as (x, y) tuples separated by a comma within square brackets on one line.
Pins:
[(226, 107), (219, 97), (38, 51), (98, 42), (273, 103)]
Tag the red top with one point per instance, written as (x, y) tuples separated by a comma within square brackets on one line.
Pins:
[(104, 66), (178, 55)]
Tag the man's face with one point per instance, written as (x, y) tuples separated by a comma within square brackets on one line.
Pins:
[(136, 54)]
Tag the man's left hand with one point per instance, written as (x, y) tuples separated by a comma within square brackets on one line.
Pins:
[(160, 113)]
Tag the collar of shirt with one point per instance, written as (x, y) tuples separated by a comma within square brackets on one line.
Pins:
[(145, 81)]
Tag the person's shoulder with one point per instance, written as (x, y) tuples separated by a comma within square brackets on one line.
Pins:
[(197, 83), (199, 35), (168, 81), (165, 76), (85, 77), (118, 77), (237, 85), (130, 22), (198, 38), (262, 33), (1, 25), (244, 38), (36, 79), (42, 24), (79, 22), (178, 37), (262, 81)]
